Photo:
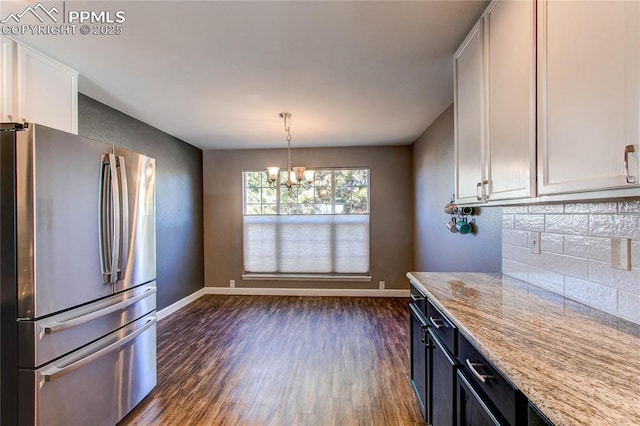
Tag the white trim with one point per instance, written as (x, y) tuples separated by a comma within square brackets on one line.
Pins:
[(163, 313), (252, 291), (305, 277), (344, 292)]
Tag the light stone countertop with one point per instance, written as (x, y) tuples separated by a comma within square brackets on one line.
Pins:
[(579, 366)]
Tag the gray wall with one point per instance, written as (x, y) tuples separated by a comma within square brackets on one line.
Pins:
[(179, 250), (436, 249), (390, 200)]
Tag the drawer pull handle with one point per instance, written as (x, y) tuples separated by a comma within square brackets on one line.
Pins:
[(472, 366), (437, 322), (54, 372), (628, 149), (119, 304)]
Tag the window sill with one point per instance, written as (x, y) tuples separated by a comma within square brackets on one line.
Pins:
[(305, 277)]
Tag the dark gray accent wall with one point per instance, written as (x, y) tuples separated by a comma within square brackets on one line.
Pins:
[(179, 224), (435, 248), (391, 227)]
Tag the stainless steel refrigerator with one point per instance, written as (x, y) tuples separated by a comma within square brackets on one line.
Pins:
[(77, 278)]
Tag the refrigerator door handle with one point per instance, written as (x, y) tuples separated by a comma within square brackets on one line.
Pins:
[(104, 213), (124, 225), (86, 356), (116, 305), (115, 230), (109, 218)]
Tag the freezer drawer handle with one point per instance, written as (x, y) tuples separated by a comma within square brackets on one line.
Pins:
[(64, 370), (116, 306)]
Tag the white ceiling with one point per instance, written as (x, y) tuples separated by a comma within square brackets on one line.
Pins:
[(217, 74)]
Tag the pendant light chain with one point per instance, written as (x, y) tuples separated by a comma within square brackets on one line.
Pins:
[(287, 128), (302, 177)]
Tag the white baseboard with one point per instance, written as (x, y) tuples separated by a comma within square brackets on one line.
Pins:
[(345, 292), (174, 307), (251, 291)]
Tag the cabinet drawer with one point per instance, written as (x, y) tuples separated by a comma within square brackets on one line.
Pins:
[(488, 380), (111, 375), (443, 328), (418, 299)]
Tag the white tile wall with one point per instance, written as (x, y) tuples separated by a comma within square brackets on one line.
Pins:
[(576, 252), (628, 306)]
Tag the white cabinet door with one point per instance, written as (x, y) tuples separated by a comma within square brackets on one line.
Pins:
[(47, 91), (511, 77), (8, 108), (494, 84), (588, 94), (468, 68)]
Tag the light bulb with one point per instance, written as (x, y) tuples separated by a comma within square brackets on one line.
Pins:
[(272, 173)]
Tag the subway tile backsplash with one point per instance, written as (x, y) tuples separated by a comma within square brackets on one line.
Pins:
[(576, 252)]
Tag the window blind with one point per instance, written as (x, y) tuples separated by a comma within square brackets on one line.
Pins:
[(310, 244)]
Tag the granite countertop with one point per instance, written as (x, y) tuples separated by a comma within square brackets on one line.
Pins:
[(579, 366)]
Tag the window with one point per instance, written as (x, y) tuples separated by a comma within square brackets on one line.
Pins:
[(320, 228)]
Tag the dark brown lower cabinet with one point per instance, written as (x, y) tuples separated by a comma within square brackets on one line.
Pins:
[(497, 394), (443, 376), (454, 383), (535, 417), (472, 409), (419, 358)]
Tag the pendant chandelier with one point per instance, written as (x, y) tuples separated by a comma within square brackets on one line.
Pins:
[(295, 175)]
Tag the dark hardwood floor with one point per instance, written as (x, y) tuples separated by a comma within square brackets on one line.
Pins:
[(262, 360)]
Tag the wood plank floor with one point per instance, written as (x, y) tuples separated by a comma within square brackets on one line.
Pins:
[(266, 360)]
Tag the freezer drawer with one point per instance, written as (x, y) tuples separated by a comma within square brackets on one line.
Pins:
[(42, 341), (96, 385)]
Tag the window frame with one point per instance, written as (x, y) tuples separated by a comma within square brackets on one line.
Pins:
[(310, 276), (279, 187)]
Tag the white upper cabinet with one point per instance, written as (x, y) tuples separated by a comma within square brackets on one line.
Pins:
[(494, 104), (468, 67), (589, 95), (8, 101), (37, 89), (510, 29)]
